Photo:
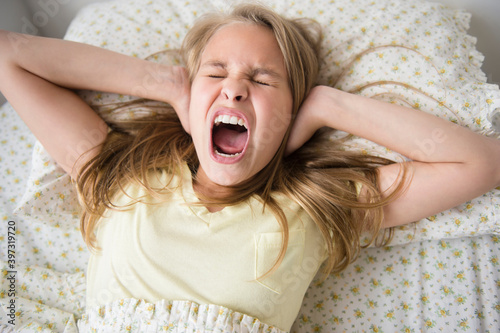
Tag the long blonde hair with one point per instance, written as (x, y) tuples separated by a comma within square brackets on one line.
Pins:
[(321, 177)]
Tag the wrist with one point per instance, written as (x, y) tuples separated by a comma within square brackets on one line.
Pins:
[(160, 82), (146, 81), (324, 103)]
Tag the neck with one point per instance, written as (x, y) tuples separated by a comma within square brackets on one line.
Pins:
[(205, 188)]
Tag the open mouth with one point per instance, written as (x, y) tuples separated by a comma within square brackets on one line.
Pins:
[(229, 136)]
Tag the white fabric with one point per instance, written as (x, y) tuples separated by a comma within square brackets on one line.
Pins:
[(131, 315)]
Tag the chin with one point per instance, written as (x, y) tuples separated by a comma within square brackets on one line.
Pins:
[(226, 179)]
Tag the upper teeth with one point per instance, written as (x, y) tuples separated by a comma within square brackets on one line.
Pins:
[(233, 120)]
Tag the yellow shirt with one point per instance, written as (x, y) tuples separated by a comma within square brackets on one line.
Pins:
[(176, 251)]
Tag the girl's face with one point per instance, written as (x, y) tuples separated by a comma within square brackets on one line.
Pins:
[(241, 103)]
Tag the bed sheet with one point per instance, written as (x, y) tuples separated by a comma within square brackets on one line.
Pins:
[(433, 285), (441, 274)]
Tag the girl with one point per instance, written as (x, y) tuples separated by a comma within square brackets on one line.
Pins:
[(225, 205)]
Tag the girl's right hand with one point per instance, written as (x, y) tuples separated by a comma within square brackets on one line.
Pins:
[(169, 84), (179, 94)]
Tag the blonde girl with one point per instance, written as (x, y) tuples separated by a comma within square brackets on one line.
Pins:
[(231, 198)]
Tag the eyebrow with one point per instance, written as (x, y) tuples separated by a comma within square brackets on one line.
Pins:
[(255, 71)]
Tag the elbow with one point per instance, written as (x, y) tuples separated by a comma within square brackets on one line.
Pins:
[(497, 174), (4, 45), (495, 163), (489, 174), (485, 163), (7, 39), (492, 164), (7, 46), (12, 43)]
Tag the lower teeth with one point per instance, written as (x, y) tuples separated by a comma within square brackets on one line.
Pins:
[(226, 155)]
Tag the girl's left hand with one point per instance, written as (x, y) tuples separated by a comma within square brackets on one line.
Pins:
[(308, 119)]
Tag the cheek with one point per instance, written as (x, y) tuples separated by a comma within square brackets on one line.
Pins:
[(196, 123), (274, 130), (282, 117), (197, 106)]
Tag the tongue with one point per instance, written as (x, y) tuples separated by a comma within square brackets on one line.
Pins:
[(229, 141)]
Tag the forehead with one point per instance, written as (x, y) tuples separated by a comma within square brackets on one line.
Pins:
[(244, 43)]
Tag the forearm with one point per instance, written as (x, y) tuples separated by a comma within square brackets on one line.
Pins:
[(451, 163), (413, 133), (80, 66)]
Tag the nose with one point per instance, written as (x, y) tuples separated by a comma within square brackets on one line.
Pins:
[(234, 90)]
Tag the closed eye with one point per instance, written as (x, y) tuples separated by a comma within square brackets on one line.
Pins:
[(214, 76), (261, 82)]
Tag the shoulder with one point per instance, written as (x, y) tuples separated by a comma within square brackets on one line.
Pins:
[(156, 186)]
